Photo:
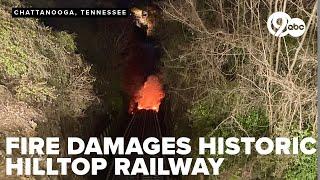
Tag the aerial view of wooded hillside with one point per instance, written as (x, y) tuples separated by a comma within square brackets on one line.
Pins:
[(211, 68)]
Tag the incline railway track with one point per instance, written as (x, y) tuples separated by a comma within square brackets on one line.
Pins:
[(142, 124), (147, 116)]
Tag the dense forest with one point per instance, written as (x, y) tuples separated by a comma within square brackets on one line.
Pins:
[(223, 73), (242, 81)]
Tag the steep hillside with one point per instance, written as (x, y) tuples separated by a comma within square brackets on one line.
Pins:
[(45, 87)]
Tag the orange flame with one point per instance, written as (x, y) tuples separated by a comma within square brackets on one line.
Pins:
[(150, 95)]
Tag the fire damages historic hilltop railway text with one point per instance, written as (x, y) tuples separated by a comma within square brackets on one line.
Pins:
[(37, 148)]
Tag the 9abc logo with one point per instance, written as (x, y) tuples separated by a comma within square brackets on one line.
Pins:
[(281, 24)]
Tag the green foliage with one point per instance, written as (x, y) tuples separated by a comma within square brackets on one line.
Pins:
[(202, 113), (212, 120), (303, 166), (41, 92), (66, 40), (49, 85), (40, 67), (206, 115), (10, 3), (255, 123), (13, 68)]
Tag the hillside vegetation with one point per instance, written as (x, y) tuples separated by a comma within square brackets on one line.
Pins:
[(44, 85), (236, 79), (226, 76)]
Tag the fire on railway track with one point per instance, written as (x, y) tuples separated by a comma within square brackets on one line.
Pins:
[(142, 75), (144, 86), (150, 95)]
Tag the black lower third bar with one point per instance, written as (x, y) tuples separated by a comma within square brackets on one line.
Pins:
[(69, 12)]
